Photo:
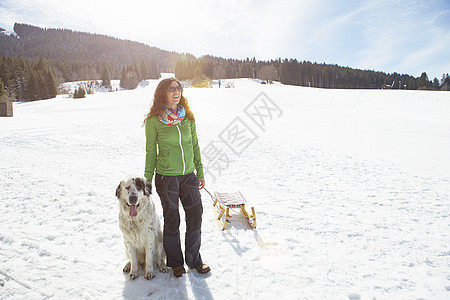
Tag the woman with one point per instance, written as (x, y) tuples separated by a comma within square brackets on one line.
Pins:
[(170, 127)]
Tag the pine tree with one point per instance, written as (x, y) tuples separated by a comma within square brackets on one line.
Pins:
[(436, 84), (106, 80), (423, 82), (50, 82), (33, 87), (246, 70), (445, 82), (197, 74), (5, 74), (3, 93), (42, 88), (219, 72), (179, 70), (123, 75), (153, 71), (2, 90), (289, 72), (79, 93), (207, 68), (143, 70), (129, 78)]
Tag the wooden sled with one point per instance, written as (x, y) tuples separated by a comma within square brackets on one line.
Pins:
[(223, 202)]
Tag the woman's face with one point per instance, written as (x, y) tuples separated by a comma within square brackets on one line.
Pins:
[(173, 94)]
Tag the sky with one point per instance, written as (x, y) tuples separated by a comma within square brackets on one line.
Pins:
[(403, 36)]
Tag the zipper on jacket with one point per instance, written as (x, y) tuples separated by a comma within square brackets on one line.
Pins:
[(182, 150)]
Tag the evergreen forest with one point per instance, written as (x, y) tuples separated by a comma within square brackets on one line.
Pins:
[(34, 61)]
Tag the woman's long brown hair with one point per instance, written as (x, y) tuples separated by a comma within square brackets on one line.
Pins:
[(160, 101)]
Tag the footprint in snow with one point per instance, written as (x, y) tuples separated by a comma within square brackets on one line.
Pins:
[(354, 296)]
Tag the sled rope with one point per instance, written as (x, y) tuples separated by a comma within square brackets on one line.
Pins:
[(212, 197)]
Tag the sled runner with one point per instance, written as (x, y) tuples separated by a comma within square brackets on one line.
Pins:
[(223, 202)]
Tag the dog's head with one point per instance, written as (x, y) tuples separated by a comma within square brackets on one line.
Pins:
[(131, 192)]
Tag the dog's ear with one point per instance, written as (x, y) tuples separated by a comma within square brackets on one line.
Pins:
[(118, 191), (144, 185), (148, 187), (139, 182)]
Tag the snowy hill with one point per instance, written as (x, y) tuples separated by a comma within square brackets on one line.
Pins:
[(350, 187)]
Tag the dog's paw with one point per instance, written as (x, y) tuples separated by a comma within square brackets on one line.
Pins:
[(127, 267), (133, 276), (163, 269), (149, 275)]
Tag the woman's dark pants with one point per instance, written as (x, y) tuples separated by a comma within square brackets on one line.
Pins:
[(184, 188)]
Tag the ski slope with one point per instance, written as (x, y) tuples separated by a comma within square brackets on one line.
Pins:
[(351, 191)]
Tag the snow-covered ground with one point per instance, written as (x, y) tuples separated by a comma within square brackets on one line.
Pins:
[(351, 189)]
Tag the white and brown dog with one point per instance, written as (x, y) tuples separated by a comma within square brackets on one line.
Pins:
[(141, 227)]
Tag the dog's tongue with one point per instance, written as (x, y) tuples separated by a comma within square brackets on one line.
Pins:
[(133, 210)]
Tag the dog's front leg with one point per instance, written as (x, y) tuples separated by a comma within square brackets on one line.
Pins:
[(161, 254), (149, 262), (134, 262)]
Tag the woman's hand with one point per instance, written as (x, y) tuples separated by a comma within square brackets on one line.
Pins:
[(201, 183)]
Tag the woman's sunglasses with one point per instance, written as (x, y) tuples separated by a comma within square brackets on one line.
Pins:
[(174, 88)]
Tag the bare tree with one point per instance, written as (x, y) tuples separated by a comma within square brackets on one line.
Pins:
[(268, 73), (219, 73)]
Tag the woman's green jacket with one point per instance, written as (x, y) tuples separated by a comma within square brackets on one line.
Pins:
[(172, 149)]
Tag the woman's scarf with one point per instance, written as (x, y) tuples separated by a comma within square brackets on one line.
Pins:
[(171, 117)]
